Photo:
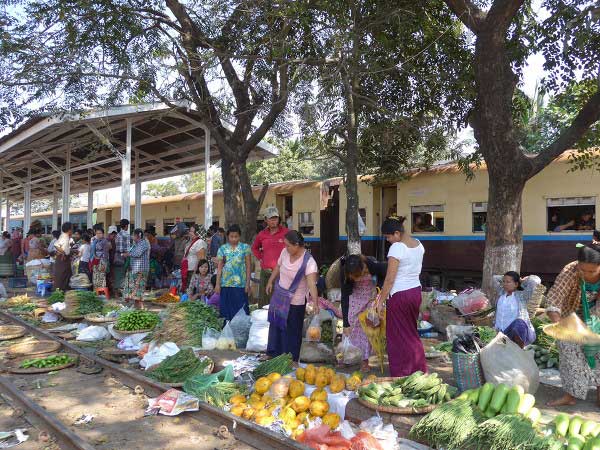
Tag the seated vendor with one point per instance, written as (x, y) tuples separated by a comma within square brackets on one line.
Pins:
[(512, 317)]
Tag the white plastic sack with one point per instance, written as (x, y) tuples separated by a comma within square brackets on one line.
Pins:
[(58, 307), (240, 325), (258, 337), (50, 317), (453, 331), (385, 434), (260, 315), (209, 339), (3, 293), (503, 361), (158, 353), (334, 295), (93, 333)]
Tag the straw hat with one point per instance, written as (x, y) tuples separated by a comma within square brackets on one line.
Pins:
[(572, 329)]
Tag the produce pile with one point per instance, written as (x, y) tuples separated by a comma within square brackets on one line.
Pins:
[(136, 320), (56, 297), (185, 323), (486, 334), (578, 433), (49, 361), (491, 416), (167, 297), (179, 367), (546, 351), (26, 308), (17, 300), (89, 303), (327, 332), (215, 389), (415, 391), (281, 364)]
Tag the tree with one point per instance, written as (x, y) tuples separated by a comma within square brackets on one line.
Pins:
[(196, 182), (289, 165), (162, 189), (232, 60), (391, 77), (506, 32)]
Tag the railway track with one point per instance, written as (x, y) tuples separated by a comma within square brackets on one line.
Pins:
[(248, 433)]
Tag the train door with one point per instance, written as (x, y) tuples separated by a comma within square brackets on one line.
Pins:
[(285, 205), (330, 228)]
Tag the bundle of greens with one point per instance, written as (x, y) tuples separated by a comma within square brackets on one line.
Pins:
[(281, 364), (486, 334), (544, 341), (56, 297), (185, 323), (216, 388), (179, 367), (449, 425), (26, 308)]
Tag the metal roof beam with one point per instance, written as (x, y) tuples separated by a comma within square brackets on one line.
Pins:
[(48, 161)]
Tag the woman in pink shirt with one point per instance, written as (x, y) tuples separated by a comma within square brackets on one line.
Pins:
[(294, 277)]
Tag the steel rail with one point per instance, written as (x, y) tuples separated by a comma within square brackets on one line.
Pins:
[(244, 430)]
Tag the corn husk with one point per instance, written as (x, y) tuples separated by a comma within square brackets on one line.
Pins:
[(375, 335), (572, 329)]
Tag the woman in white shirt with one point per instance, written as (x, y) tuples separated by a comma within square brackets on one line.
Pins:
[(194, 252), (512, 317), (62, 265), (402, 290)]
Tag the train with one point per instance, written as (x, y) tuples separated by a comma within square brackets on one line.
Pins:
[(444, 209)]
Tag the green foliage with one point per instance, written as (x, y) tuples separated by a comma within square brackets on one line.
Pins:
[(196, 182), (289, 165), (162, 189)]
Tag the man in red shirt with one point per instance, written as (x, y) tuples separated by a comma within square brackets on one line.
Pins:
[(267, 247)]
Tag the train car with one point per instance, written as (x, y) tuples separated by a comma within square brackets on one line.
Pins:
[(445, 211)]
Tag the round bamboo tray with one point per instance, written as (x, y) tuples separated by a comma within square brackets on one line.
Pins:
[(147, 330), (408, 411), (34, 348), (8, 332), (116, 355), (14, 366), (95, 319), (71, 317)]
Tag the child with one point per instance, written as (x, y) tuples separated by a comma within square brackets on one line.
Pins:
[(512, 317), (214, 299), (84, 256), (233, 274), (200, 285)]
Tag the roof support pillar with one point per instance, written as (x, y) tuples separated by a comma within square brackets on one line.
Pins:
[(126, 177), (66, 188), (137, 216), (54, 207), (27, 201), (8, 214), (2, 226), (208, 173), (90, 201)]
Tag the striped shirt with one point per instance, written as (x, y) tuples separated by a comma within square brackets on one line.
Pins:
[(140, 257)]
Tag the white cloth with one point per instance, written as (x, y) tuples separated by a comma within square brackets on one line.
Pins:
[(192, 255), (51, 245), (5, 244), (409, 268), (337, 402), (63, 243), (84, 252)]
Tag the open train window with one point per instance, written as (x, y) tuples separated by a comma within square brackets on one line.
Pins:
[(168, 224), (305, 223), (479, 217), (427, 219), (571, 214)]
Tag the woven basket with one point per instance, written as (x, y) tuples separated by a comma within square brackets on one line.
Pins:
[(95, 319), (536, 300), (332, 279), (11, 332), (14, 366), (33, 348), (66, 315), (467, 370), (392, 409)]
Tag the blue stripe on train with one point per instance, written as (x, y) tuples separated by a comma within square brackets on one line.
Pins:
[(433, 237)]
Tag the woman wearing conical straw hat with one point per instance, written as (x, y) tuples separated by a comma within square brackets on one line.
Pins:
[(579, 364)]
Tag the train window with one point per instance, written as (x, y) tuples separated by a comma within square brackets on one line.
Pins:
[(571, 214), (479, 217), (189, 222), (305, 223), (151, 223), (167, 225), (427, 218)]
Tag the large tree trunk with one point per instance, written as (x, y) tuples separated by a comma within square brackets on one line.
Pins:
[(351, 182), (507, 173)]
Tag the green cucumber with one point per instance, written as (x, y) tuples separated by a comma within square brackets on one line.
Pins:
[(474, 396), (596, 430), (575, 425), (485, 395), (499, 397), (576, 442), (513, 399), (561, 423)]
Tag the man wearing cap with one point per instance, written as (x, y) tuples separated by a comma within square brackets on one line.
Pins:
[(267, 248), (122, 246)]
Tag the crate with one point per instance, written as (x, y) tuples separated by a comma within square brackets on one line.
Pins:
[(17, 282)]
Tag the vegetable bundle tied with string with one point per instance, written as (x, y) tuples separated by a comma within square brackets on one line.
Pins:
[(179, 367)]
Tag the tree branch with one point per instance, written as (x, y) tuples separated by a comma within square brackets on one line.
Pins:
[(469, 14), (589, 114), (501, 14)]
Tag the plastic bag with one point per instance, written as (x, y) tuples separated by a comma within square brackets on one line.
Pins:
[(347, 353), (258, 337), (466, 343), (226, 339), (240, 325), (453, 331), (386, 435), (3, 293), (280, 388), (372, 317), (158, 353), (470, 301), (200, 383), (503, 361), (209, 339), (172, 403), (313, 333), (93, 333), (313, 352)]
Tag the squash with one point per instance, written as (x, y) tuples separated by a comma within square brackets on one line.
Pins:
[(321, 381), (352, 383), (313, 333), (499, 397), (526, 403), (265, 421), (300, 371), (561, 424), (485, 395), (262, 385), (310, 375), (512, 400), (319, 408), (303, 417), (255, 397), (237, 399), (358, 374), (296, 389), (237, 410), (248, 413), (337, 384), (318, 394), (261, 413), (330, 374), (287, 414), (301, 404), (297, 432), (274, 376), (332, 420)]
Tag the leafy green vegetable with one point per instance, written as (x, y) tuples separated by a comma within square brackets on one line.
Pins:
[(56, 297), (179, 367)]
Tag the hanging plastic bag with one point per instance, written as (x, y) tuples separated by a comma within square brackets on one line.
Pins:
[(347, 353), (209, 339), (470, 301), (503, 361), (226, 340), (240, 324), (313, 333)]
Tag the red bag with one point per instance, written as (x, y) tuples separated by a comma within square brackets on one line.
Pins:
[(365, 441)]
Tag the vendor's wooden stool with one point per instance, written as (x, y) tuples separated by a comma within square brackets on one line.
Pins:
[(103, 291)]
